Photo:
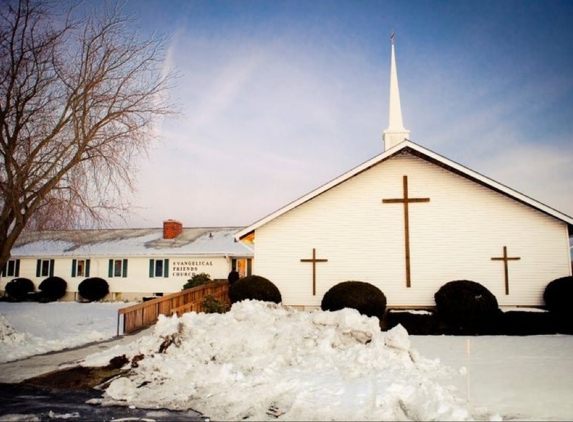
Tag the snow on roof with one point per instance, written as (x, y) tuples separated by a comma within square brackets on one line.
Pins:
[(130, 242)]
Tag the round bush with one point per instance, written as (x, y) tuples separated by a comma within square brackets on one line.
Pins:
[(93, 289), (19, 289), (364, 297), (53, 288), (558, 295), (466, 304), (254, 287), (197, 280), (233, 277)]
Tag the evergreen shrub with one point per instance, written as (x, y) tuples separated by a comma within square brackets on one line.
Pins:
[(93, 289), (464, 304), (233, 277), (254, 287), (558, 295), (364, 297), (19, 289), (197, 280), (527, 323), (212, 305), (415, 322), (52, 288)]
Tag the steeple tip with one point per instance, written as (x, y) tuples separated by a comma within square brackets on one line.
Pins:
[(395, 133)]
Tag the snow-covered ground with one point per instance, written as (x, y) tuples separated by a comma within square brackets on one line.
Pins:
[(261, 359), (28, 329)]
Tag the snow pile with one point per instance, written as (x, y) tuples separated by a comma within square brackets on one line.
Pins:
[(261, 360), (8, 334)]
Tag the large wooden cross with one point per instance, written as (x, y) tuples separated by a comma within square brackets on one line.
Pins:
[(314, 260), (505, 260), (406, 200)]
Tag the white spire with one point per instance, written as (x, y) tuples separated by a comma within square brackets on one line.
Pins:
[(396, 132)]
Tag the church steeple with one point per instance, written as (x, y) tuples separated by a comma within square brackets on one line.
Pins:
[(396, 132)]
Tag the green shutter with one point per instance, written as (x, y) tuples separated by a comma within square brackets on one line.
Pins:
[(17, 273), (74, 265), (110, 268), (249, 266), (38, 267), (166, 268), (51, 267), (151, 268), (124, 274), (87, 268)]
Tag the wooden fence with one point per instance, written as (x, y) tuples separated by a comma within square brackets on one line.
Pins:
[(145, 314)]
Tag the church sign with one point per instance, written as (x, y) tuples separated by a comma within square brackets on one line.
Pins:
[(190, 268)]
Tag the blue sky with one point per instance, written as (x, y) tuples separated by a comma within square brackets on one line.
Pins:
[(279, 97)]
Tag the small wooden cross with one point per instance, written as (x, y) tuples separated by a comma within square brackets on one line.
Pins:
[(505, 260), (314, 260), (406, 201)]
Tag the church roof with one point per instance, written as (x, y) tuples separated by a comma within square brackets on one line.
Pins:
[(409, 147), (212, 241)]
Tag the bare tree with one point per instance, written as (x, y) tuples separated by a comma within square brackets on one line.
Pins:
[(79, 99)]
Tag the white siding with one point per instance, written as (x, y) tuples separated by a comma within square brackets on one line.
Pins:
[(137, 284), (454, 236)]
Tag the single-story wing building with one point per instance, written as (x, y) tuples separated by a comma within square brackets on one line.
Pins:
[(136, 263)]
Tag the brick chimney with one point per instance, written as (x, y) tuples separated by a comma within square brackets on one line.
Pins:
[(172, 229)]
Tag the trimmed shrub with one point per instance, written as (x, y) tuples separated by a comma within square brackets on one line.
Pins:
[(524, 323), (415, 322), (52, 288), (197, 280), (212, 305), (254, 287), (19, 289), (464, 304), (233, 277), (558, 295), (93, 289), (364, 297)]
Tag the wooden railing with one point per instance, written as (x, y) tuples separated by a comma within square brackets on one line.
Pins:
[(145, 314)]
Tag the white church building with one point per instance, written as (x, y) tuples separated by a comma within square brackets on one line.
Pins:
[(408, 221)]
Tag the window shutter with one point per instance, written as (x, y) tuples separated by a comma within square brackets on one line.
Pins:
[(4, 270), (17, 273), (249, 266), (51, 267), (74, 265), (166, 268), (38, 267), (87, 267), (124, 274), (110, 268), (151, 268)]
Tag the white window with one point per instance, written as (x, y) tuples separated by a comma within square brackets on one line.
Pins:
[(158, 268), (117, 268), (80, 267), (12, 268), (44, 268)]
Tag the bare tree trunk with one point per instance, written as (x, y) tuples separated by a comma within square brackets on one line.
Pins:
[(79, 98)]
